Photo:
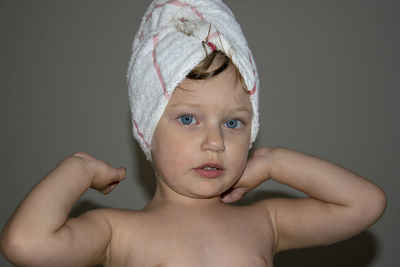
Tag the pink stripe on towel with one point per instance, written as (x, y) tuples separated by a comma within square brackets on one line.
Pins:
[(157, 67), (140, 134)]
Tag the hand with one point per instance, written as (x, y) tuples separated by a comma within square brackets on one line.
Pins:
[(257, 170), (104, 176)]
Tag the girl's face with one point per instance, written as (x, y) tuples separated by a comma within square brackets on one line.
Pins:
[(200, 145)]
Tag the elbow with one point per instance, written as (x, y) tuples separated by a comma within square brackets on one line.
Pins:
[(374, 206), (18, 250), (381, 203), (13, 248)]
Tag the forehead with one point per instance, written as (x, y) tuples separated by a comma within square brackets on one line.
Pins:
[(224, 89)]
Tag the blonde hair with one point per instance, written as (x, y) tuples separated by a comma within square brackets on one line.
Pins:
[(203, 70)]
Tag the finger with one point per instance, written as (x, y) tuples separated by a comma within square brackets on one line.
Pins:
[(227, 198), (109, 187), (111, 174), (106, 177), (234, 195), (230, 198), (122, 173)]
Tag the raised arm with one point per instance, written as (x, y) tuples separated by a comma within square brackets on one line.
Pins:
[(340, 203), (39, 232)]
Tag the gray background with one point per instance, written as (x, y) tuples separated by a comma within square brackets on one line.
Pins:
[(330, 87)]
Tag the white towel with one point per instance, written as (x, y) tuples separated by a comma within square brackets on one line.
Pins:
[(163, 54)]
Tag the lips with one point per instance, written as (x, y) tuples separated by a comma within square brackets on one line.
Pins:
[(210, 170)]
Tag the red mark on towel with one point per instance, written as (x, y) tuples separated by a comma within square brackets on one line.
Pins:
[(212, 46), (254, 71), (195, 11), (181, 4), (213, 35), (140, 134), (157, 67)]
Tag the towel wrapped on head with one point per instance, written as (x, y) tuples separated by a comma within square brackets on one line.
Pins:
[(169, 44)]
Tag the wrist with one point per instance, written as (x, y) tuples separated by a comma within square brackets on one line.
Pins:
[(264, 155), (271, 159), (83, 165)]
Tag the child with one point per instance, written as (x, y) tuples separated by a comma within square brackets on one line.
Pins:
[(194, 95)]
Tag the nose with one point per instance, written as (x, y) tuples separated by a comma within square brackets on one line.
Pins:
[(213, 140)]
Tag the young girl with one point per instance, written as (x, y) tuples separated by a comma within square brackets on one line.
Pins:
[(193, 88)]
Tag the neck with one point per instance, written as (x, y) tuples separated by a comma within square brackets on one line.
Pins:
[(167, 196)]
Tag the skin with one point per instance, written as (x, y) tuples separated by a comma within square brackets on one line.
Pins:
[(211, 104), (188, 222)]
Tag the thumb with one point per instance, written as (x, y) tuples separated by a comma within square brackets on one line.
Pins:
[(119, 175), (234, 195)]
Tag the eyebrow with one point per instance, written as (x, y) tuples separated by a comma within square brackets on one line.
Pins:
[(241, 109), (187, 105), (179, 105)]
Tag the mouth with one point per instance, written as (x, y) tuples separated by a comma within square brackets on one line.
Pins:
[(210, 170)]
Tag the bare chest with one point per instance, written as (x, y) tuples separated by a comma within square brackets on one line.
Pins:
[(199, 241)]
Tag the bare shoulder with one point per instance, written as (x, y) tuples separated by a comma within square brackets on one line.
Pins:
[(115, 219), (283, 214), (262, 208), (270, 206), (120, 219), (114, 215), (124, 225), (265, 212), (277, 210)]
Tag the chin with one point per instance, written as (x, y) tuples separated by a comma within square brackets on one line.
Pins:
[(207, 193)]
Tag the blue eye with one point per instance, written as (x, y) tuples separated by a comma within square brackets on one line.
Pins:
[(187, 119), (233, 124)]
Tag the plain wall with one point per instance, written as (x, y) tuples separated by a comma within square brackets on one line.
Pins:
[(329, 73)]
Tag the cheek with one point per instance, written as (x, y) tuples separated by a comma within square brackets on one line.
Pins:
[(168, 151), (238, 152)]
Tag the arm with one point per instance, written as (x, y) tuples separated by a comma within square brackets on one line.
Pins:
[(39, 232), (340, 203)]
